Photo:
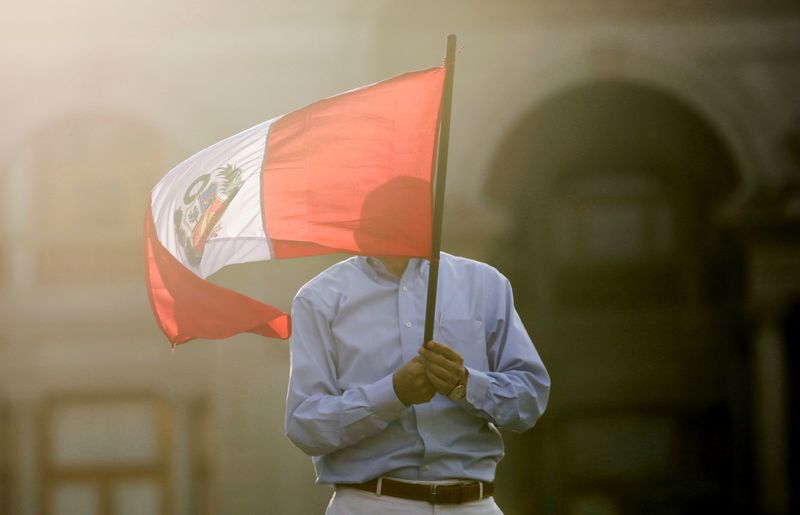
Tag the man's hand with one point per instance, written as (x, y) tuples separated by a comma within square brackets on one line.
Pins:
[(443, 366), (411, 383)]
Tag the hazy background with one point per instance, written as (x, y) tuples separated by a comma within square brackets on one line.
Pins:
[(632, 167)]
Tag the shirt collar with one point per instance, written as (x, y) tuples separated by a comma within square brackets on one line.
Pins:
[(375, 268)]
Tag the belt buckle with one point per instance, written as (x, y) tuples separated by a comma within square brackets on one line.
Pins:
[(432, 498), (434, 494)]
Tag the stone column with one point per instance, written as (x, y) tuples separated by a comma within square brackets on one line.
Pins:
[(20, 265), (770, 396), (25, 440), (180, 462)]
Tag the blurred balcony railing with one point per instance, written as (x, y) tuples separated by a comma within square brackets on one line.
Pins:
[(88, 262), (90, 280)]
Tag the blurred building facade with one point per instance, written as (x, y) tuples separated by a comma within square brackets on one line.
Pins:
[(632, 167)]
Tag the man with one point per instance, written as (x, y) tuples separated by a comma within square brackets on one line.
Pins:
[(396, 426)]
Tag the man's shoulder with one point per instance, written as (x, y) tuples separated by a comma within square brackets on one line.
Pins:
[(332, 279), (460, 265)]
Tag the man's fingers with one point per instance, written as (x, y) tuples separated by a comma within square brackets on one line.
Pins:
[(442, 387), (443, 350), (440, 372), (443, 366), (444, 371), (412, 383), (441, 360)]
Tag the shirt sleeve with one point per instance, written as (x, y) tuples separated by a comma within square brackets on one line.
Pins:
[(320, 418), (513, 394)]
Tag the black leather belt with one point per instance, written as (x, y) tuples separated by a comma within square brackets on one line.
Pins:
[(457, 493)]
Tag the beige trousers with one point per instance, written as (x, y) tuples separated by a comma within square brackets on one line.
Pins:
[(350, 501)]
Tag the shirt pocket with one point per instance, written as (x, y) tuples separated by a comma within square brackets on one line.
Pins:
[(468, 338)]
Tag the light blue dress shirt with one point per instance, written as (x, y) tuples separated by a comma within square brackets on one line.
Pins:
[(355, 324)]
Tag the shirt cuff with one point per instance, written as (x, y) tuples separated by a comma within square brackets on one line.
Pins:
[(382, 398), (478, 384)]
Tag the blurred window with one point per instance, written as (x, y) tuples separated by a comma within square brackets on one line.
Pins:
[(90, 178), (106, 456), (614, 240), (612, 218), (125, 454)]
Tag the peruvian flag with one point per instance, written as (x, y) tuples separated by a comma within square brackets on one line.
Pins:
[(351, 173)]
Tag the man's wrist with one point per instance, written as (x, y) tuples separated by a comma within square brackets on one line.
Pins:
[(398, 391), (478, 389), (382, 396)]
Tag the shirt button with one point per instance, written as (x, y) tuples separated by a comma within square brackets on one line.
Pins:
[(405, 288), (426, 467), (408, 324)]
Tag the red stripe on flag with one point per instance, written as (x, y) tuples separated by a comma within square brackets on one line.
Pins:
[(353, 173), (188, 307)]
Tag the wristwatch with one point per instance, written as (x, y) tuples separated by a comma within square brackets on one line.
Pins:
[(457, 393), (459, 390)]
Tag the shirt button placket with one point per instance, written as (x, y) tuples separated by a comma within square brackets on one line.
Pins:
[(411, 337), (406, 313)]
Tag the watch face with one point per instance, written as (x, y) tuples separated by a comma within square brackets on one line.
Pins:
[(458, 392)]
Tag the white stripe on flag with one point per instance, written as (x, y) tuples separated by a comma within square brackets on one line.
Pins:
[(207, 210)]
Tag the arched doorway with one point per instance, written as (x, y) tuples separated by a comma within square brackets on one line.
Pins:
[(632, 291)]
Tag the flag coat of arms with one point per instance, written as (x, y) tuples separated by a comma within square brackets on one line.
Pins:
[(351, 173)]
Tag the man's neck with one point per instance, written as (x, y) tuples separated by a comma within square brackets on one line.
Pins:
[(395, 265)]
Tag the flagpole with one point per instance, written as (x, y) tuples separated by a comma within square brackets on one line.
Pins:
[(441, 176)]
